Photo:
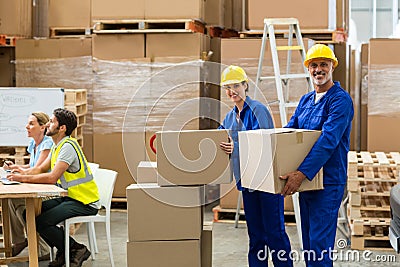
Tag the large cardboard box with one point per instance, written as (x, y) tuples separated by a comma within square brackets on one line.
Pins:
[(7, 67), (383, 103), (117, 9), (176, 45), (192, 158), (364, 97), (326, 15), (176, 253), (237, 15), (229, 196), (16, 18), (146, 172), (118, 46), (215, 13), (163, 213), (122, 153), (53, 48), (174, 9), (206, 244), (71, 13), (268, 153)]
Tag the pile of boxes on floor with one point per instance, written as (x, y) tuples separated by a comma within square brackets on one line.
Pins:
[(165, 207), (166, 224)]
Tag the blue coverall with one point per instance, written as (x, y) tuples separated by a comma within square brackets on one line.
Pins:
[(332, 114), (263, 211)]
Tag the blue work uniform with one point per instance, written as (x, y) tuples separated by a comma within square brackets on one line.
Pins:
[(263, 211), (46, 143), (332, 114)]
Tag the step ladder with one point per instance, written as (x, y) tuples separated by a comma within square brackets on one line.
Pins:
[(283, 79)]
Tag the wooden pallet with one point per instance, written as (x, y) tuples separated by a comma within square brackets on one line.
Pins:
[(224, 215), (56, 32), (367, 213), (149, 26), (81, 120), (370, 243), (6, 40), (370, 227), (79, 109), (373, 165), (75, 96), (371, 188), (18, 155), (319, 35), (221, 32)]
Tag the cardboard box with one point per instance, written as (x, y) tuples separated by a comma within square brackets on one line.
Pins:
[(176, 44), (237, 15), (325, 15), (229, 196), (268, 153), (383, 105), (174, 9), (176, 253), (147, 172), (53, 48), (122, 153), (364, 97), (192, 158), (117, 9), (163, 213), (206, 244), (71, 13), (16, 18), (214, 13), (118, 46), (7, 68)]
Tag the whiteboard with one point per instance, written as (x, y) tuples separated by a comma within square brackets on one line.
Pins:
[(17, 104)]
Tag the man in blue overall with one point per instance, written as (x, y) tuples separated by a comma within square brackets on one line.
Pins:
[(329, 109)]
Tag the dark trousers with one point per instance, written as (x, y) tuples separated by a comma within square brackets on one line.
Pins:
[(266, 229), (319, 214), (55, 211)]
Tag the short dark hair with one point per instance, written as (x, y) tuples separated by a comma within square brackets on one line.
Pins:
[(67, 118)]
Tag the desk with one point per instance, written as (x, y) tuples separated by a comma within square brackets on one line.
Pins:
[(32, 193)]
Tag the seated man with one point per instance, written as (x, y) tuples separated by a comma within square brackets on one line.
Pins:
[(70, 170)]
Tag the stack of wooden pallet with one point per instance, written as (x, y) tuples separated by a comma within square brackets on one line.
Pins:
[(18, 155), (371, 176), (76, 101)]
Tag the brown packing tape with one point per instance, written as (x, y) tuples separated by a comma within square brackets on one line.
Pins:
[(299, 137)]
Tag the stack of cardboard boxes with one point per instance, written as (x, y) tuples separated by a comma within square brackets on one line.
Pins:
[(165, 208)]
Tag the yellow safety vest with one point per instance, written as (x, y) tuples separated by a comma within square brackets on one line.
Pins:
[(80, 184)]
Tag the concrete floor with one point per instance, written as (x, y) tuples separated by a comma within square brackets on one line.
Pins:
[(229, 245)]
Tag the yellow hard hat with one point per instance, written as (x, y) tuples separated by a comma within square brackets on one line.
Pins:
[(320, 51), (233, 74)]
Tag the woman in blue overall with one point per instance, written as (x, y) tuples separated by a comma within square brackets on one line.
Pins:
[(263, 211), (329, 109)]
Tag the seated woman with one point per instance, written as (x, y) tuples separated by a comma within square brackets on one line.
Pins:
[(38, 148)]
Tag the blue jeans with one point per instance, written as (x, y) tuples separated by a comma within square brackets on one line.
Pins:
[(319, 213), (266, 229)]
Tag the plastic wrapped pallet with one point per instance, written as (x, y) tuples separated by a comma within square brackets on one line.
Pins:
[(383, 97)]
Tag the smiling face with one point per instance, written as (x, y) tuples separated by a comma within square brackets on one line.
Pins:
[(236, 92), (33, 128), (321, 70)]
